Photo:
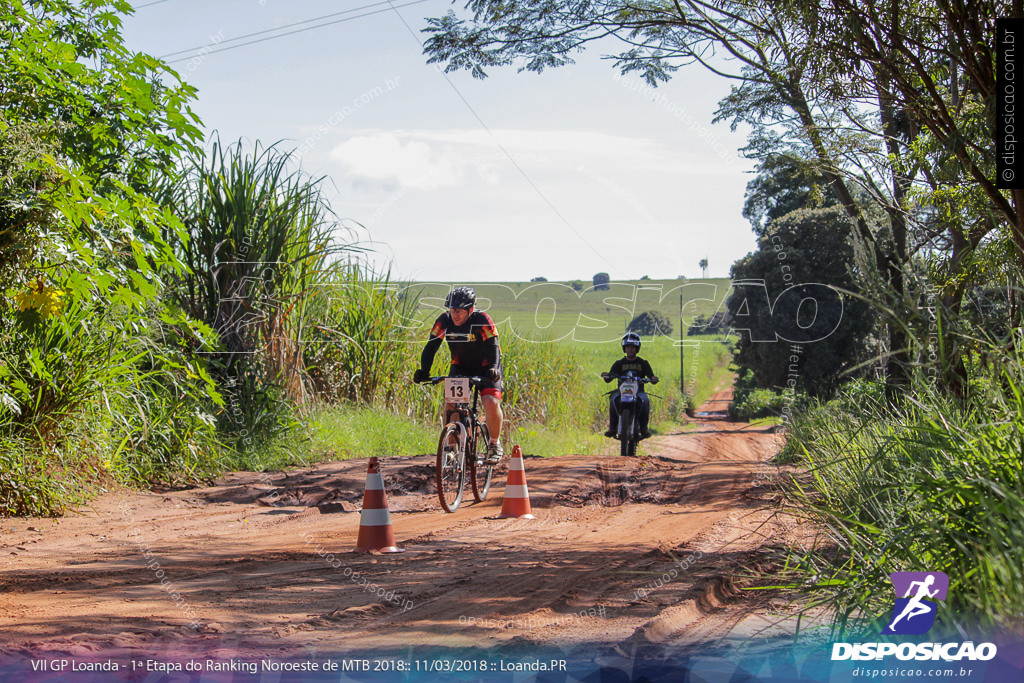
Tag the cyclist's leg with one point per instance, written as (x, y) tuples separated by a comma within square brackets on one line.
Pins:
[(493, 414), (491, 398)]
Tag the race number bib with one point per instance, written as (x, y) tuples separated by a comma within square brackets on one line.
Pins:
[(456, 389), (628, 389)]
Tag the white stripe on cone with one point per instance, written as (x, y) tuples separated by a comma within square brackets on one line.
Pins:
[(516, 491), (375, 517)]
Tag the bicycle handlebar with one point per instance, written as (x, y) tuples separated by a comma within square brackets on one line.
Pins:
[(475, 381)]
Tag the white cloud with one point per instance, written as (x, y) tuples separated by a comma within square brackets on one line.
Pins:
[(431, 159), (386, 159)]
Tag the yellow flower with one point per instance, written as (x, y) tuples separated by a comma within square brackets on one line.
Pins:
[(47, 300)]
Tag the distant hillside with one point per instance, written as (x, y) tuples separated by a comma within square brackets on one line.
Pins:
[(545, 310)]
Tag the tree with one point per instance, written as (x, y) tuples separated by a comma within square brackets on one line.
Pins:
[(886, 101), (794, 102), (784, 183), (538, 279), (601, 281), (719, 323), (650, 323), (816, 247), (85, 127), (704, 267)]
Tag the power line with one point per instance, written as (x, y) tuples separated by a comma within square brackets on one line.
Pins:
[(289, 33), (148, 4), (281, 28), (519, 168), (395, 9)]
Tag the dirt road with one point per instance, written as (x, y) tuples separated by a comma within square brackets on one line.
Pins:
[(623, 551)]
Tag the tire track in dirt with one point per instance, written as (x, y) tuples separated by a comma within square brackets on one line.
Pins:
[(624, 551)]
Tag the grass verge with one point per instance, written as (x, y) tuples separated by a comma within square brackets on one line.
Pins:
[(923, 483)]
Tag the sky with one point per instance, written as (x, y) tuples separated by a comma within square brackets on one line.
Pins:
[(563, 174)]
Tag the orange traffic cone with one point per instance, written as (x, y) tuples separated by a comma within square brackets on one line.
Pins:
[(516, 502), (375, 532)]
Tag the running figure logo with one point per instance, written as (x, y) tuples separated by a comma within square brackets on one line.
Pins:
[(914, 614)]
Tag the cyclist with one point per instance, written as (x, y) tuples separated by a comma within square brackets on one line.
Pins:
[(640, 368), (473, 342)]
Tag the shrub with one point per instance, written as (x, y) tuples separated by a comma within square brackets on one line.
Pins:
[(651, 324), (920, 481)]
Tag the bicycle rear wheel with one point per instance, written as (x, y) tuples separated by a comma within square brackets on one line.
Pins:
[(450, 469), (479, 475)]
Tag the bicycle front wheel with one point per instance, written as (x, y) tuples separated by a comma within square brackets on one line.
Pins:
[(480, 474), (450, 469)]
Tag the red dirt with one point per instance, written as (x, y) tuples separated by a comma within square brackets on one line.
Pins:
[(624, 551)]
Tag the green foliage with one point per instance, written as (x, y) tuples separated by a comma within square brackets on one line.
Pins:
[(651, 323), (920, 482), (806, 246), (84, 125), (31, 485), (260, 250), (601, 281), (23, 214), (540, 377), (784, 183), (719, 323), (758, 403), (750, 402), (347, 431), (356, 346)]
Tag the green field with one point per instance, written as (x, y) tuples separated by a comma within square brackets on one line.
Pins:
[(556, 401), (556, 311)]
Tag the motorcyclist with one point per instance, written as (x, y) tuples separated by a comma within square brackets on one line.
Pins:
[(640, 368), (473, 342)]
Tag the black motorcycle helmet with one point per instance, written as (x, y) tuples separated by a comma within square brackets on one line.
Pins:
[(631, 338), (461, 297)]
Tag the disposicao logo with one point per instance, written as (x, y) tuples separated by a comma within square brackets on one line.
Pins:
[(913, 614)]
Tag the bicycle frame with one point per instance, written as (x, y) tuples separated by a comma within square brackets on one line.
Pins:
[(464, 431)]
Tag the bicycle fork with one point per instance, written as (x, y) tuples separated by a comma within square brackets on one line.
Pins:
[(462, 434)]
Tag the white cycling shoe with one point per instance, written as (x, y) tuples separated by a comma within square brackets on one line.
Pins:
[(494, 453)]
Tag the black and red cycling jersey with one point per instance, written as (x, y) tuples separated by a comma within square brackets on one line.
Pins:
[(473, 345)]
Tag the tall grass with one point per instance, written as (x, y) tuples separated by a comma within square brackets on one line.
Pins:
[(260, 243), (553, 401), (355, 344), (925, 482), (86, 398)]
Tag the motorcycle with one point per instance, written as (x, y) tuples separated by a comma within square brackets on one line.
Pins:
[(629, 408)]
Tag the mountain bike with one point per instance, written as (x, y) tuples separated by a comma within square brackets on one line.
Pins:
[(629, 411), (463, 444)]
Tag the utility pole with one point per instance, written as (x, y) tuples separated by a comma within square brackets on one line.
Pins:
[(682, 359)]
